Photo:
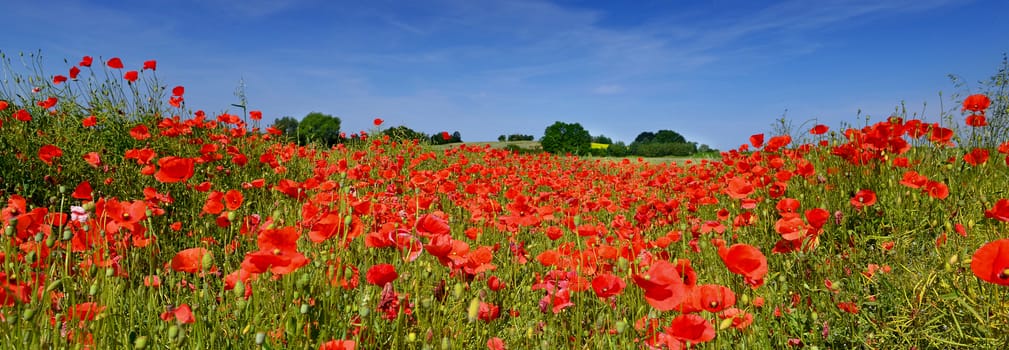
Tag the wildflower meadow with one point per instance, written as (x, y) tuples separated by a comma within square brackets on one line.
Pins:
[(133, 220)]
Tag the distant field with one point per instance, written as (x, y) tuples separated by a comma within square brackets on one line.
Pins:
[(536, 144)]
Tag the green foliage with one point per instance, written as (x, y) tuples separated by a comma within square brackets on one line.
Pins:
[(618, 149), (502, 138), (520, 137), (561, 138), (401, 133), (663, 143), (288, 126), (656, 149), (321, 128), (439, 138), (602, 139)]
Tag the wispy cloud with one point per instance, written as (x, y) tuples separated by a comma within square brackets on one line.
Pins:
[(609, 89)]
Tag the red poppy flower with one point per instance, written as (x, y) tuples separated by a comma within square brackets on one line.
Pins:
[(85, 61), (22, 115), (431, 225), (692, 328), (93, 159), (607, 285), (745, 260), (182, 314), (89, 121), (941, 135), (59, 79), (495, 343), (233, 199), (74, 71), (3, 105), (990, 263), (976, 103), (381, 274), (256, 115), (378, 121), (131, 76), (819, 129), (976, 120), (1000, 211), (151, 64), (863, 198), (83, 191), (114, 63), (140, 132), (757, 140), (976, 156), (190, 260), (664, 288), (48, 103), (739, 188), (48, 153), (445, 136), (937, 190), (338, 345), (85, 311), (174, 169)]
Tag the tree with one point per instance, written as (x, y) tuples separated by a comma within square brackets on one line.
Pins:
[(644, 137), (668, 136), (401, 132), (322, 128), (502, 138), (288, 126), (602, 139), (566, 138), (456, 137)]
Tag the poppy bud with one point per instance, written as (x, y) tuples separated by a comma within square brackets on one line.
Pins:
[(207, 261)]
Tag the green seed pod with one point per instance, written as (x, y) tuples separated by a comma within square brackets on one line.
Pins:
[(232, 216), (208, 261), (39, 236), (62, 189), (304, 309), (9, 229), (109, 272), (726, 323), (173, 332), (68, 235), (28, 314), (457, 290), (53, 285), (621, 326), (93, 289), (347, 220), (411, 337), (140, 342), (260, 338), (446, 343), (239, 289), (474, 309), (50, 241)]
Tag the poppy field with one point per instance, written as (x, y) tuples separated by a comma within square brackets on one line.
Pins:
[(132, 220)]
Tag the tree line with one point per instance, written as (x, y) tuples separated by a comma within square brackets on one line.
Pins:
[(558, 138), (324, 129)]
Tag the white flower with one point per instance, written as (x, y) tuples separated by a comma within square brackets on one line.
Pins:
[(78, 213)]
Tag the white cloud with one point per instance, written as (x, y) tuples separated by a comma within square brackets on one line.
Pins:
[(609, 89)]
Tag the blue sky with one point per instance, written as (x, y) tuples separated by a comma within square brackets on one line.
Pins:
[(715, 71)]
